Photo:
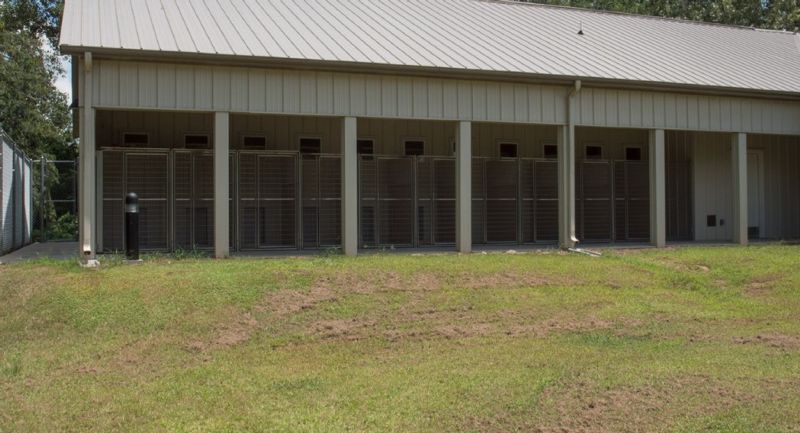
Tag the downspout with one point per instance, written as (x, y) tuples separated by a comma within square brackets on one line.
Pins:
[(572, 99)]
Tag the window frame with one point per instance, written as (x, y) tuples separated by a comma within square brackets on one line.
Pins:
[(501, 143), (372, 146), (545, 145), (597, 145), (124, 143), (634, 146), (248, 135), (302, 137), (407, 140), (209, 144)]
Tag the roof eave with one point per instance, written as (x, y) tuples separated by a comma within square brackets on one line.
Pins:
[(427, 71)]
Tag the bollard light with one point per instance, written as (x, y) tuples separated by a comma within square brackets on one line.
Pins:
[(132, 226)]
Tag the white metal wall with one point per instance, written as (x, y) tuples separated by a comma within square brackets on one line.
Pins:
[(713, 186), (139, 85), (664, 110), (781, 184), (16, 216)]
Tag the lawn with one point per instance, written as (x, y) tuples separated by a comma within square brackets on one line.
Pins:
[(679, 340)]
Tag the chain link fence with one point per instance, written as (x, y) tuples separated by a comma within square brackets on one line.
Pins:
[(56, 200)]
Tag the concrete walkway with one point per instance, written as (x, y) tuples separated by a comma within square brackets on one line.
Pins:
[(52, 250)]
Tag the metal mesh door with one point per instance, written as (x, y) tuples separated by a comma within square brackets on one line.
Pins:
[(436, 190), (478, 201), (631, 201), (193, 183), (277, 193), (147, 174), (113, 201), (395, 201), (546, 200), (267, 211), (425, 186), (321, 198), (595, 207), (680, 226), (368, 200), (386, 197), (444, 201), (501, 200)]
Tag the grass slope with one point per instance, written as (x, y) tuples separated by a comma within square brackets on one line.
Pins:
[(697, 339)]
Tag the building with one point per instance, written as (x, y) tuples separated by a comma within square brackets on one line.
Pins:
[(309, 124)]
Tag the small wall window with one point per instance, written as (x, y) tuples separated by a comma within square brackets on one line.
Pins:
[(414, 148), (594, 152), (550, 151), (135, 139), (365, 147), (254, 142), (310, 145), (196, 141), (508, 150), (633, 153)]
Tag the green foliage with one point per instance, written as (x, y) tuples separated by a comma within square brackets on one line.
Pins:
[(32, 111), (770, 14)]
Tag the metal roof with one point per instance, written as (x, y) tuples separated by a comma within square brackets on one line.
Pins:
[(464, 35)]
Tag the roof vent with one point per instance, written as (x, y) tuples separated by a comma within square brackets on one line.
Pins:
[(580, 31)]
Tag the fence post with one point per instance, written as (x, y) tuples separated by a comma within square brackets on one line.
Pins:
[(42, 201)]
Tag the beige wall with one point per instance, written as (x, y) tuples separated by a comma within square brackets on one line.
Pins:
[(164, 86), (613, 141), (781, 184)]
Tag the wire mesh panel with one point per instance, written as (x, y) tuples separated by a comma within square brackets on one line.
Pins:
[(444, 201), (146, 174), (501, 200), (113, 201), (631, 201), (396, 201), (193, 200), (478, 201), (546, 195), (267, 201), (425, 198), (680, 200), (594, 222), (527, 204), (321, 198), (368, 200)]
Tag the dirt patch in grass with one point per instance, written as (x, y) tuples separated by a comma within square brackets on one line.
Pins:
[(776, 340), (581, 406), (762, 285)]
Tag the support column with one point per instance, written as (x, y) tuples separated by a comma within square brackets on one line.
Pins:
[(566, 187), (87, 168), (350, 186), (739, 170), (464, 187), (658, 189), (221, 185)]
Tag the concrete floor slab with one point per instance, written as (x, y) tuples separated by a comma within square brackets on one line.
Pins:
[(51, 250)]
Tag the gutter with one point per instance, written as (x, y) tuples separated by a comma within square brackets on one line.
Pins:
[(415, 71)]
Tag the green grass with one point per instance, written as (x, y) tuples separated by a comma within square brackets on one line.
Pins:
[(679, 340)]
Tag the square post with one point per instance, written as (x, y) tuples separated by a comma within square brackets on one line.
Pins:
[(87, 168), (349, 201), (221, 184), (566, 187), (658, 190), (739, 170), (464, 187)]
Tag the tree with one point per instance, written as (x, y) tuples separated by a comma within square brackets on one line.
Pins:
[(32, 110)]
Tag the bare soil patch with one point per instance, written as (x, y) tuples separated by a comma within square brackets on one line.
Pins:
[(776, 340)]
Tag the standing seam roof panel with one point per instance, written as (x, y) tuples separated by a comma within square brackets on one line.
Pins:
[(480, 35)]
